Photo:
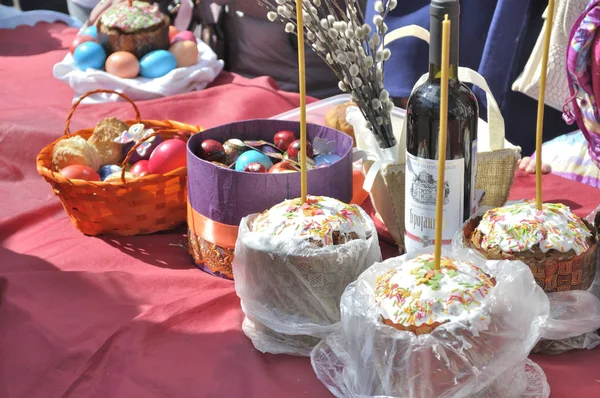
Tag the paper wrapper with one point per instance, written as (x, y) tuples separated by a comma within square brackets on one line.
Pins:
[(363, 357), (224, 196), (574, 304), (291, 292)]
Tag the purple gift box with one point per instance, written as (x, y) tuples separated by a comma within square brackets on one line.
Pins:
[(226, 196)]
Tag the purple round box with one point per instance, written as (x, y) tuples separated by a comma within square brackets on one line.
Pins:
[(226, 196)]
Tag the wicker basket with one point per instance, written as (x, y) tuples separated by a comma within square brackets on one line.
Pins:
[(149, 204)]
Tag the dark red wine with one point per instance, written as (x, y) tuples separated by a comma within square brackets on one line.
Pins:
[(422, 132)]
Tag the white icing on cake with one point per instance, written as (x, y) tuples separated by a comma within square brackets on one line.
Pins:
[(317, 219), (520, 227), (415, 293)]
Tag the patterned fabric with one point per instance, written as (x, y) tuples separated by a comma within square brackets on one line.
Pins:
[(579, 58), (570, 158)]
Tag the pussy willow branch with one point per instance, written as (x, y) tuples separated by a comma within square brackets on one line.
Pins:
[(342, 40)]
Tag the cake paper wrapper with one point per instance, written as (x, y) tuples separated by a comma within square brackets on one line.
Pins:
[(574, 317), (290, 292), (363, 357)]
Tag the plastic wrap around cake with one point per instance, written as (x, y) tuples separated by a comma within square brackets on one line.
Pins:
[(292, 264), (489, 314), (571, 279), (219, 197)]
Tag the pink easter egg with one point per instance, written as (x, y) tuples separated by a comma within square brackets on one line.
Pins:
[(186, 35), (168, 156)]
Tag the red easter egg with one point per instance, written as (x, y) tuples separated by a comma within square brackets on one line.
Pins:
[(186, 35), (283, 139), (255, 167), (212, 150), (80, 39), (80, 172), (168, 155), (294, 149), (173, 31), (282, 167), (140, 168)]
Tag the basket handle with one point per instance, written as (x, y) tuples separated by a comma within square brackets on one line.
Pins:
[(76, 104), (170, 127)]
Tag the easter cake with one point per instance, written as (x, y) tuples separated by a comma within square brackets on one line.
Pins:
[(137, 29), (292, 264), (336, 118), (319, 222), (558, 246), (417, 298), (409, 330)]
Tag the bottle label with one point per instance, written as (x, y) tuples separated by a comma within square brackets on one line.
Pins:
[(474, 200), (421, 189)]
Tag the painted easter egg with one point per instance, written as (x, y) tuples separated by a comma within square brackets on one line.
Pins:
[(283, 139), (140, 169), (233, 149), (186, 35), (79, 172), (90, 31), (136, 157), (173, 31), (294, 149), (282, 167), (107, 170), (89, 54), (255, 167), (122, 64), (185, 52), (326, 159), (168, 156), (157, 63), (212, 151), (80, 39), (252, 156)]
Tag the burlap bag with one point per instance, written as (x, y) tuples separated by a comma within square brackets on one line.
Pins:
[(384, 171)]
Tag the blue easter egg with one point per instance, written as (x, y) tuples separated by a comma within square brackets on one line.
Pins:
[(107, 170), (89, 54), (326, 159), (250, 157), (90, 31), (157, 63)]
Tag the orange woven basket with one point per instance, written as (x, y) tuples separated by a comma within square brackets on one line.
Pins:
[(152, 203)]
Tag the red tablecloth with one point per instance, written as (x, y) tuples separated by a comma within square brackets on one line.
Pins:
[(132, 317)]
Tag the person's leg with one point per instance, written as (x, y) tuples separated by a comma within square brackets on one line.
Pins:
[(77, 11)]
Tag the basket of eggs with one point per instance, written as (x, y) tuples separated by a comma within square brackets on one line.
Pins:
[(133, 49), (120, 178)]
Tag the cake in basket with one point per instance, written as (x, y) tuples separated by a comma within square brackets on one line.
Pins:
[(417, 298), (293, 262), (138, 29), (558, 246)]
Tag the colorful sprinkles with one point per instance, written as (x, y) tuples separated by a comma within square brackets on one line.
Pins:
[(415, 293), (139, 16), (318, 218), (520, 227)]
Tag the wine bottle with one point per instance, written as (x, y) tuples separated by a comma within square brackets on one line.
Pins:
[(422, 132)]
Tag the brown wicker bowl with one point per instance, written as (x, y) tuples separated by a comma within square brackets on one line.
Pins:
[(553, 271), (153, 203)]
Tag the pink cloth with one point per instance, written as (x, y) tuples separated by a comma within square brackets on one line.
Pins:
[(132, 317)]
